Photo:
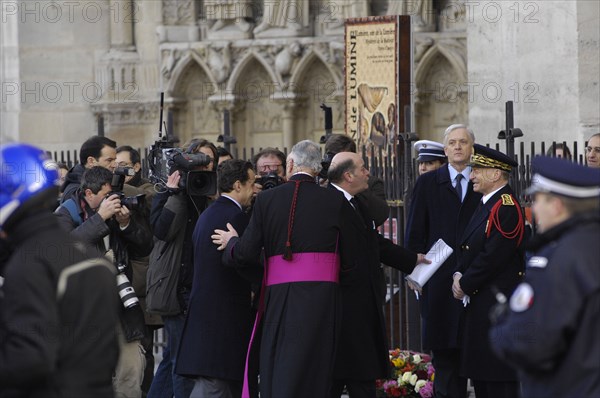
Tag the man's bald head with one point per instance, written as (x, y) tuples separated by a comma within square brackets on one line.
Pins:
[(347, 170)]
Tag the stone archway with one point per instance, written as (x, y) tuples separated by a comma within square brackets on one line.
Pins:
[(441, 99), (193, 115), (314, 85), (257, 120)]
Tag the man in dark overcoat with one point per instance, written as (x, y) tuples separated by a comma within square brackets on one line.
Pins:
[(219, 318), (362, 354), (489, 261), (439, 210), (298, 224)]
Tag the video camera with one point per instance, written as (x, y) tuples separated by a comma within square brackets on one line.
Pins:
[(116, 187), (164, 159), (325, 163), (270, 180)]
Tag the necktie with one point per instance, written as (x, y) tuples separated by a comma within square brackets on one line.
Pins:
[(458, 187)]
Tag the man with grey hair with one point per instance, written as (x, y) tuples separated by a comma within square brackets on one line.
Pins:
[(442, 204), (298, 225)]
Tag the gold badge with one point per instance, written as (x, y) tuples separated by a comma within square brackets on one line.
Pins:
[(507, 200)]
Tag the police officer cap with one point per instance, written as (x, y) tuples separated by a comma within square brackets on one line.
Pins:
[(562, 177), (491, 158), (429, 150)]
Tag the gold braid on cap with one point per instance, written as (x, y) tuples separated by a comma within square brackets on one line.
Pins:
[(484, 161)]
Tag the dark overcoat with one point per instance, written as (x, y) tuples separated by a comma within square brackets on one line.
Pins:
[(550, 333), (437, 212), (59, 311), (301, 319), (487, 263), (362, 350), (220, 318)]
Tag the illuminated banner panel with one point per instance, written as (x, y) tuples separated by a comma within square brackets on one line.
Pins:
[(377, 73)]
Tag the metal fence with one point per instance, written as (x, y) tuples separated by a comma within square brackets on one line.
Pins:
[(396, 166)]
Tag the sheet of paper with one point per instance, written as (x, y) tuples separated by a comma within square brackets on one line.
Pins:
[(438, 253)]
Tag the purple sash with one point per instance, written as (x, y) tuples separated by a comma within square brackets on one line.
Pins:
[(304, 267)]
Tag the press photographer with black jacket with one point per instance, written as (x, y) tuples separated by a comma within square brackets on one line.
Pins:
[(100, 219)]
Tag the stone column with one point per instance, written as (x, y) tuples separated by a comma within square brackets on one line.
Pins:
[(289, 110), (122, 16)]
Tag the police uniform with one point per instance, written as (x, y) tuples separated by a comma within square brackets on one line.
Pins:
[(489, 260), (550, 333), (429, 151)]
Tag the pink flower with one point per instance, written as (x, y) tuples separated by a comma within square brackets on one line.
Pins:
[(427, 390), (430, 371)]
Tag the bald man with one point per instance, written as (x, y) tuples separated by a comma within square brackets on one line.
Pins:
[(362, 354)]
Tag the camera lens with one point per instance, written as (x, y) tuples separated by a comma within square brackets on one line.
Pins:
[(126, 291)]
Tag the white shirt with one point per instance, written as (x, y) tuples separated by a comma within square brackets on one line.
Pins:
[(233, 200), (487, 197), (346, 194), (464, 182)]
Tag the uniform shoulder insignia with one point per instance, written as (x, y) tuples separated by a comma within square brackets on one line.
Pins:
[(537, 262), (507, 200), (522, 298)]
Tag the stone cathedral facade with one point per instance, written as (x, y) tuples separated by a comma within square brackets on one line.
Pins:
[(72, 68)]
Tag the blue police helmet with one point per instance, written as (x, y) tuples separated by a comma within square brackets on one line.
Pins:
[(27, 175)]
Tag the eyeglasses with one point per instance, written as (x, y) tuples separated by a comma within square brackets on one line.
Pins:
[(124, 164), (595, 149), (265, 168)]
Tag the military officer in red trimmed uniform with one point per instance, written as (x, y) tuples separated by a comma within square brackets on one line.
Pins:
[(489, 260)]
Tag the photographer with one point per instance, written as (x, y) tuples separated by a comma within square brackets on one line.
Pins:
[(269, 165), (135, 185), (170, 274), (95, 215), (95, 151)]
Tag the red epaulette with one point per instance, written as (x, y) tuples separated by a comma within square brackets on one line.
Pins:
[(494, 220)]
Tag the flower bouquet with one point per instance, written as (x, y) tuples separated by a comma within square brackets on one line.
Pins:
[(412, 376)]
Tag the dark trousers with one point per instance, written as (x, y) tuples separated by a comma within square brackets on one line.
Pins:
[(148, 344), (447, 382), (356, 388), (496, 389)]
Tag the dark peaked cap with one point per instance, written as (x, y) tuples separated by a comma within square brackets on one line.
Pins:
[(491, 158), (563, 177)]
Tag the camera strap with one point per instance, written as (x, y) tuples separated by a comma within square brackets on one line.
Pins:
[(70, 205)]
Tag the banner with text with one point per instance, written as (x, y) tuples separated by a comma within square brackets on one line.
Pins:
[(378, 56)]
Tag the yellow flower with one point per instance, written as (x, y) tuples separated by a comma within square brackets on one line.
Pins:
[(398, 362)]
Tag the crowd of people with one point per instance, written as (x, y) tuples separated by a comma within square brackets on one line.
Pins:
[(273, 286)]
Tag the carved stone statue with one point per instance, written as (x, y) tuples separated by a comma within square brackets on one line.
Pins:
[(231, 18), (284, 61), (420, 10), (284, 18), (340, 10), (220, 63)]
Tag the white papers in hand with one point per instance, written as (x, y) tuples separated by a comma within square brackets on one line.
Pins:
[(438, 253)]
